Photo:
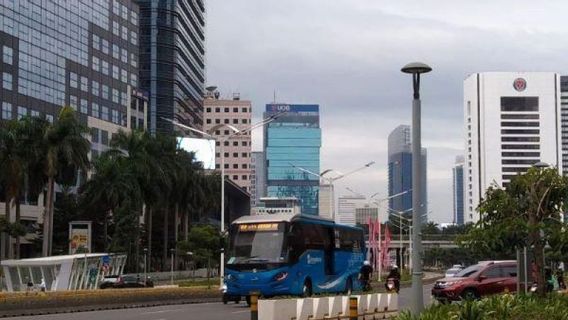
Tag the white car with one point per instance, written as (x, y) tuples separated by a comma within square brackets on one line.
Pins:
[(453, 270)]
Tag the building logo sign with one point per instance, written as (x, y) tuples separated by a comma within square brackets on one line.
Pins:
[(520, 84)]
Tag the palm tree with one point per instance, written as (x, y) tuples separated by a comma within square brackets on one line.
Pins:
[(66, 146), (10, 175)]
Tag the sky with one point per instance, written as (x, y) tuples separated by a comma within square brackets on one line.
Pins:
[(346, 55)]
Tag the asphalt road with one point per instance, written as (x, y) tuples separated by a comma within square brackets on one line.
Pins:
[(205, 311)]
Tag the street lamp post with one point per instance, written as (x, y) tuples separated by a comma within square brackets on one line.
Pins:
[(172, 251), (399, 214), (416, 68), (222, 164), (145, 264)]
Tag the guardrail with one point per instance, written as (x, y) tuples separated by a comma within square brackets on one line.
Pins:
[(365, 306)]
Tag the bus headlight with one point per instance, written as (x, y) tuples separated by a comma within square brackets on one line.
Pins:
[(280, 276)]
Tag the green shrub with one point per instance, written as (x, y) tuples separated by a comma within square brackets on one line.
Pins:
[(501, 307)]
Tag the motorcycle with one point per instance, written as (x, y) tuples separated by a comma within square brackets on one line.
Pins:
[(390, 285)]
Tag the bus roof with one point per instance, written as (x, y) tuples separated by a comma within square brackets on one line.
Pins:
[(286, 217)]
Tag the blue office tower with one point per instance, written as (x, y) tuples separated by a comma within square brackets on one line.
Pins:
[(400, 173), (293, 141), (458, 191)]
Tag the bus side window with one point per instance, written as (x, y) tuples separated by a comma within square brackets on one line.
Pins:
[(296, 243)]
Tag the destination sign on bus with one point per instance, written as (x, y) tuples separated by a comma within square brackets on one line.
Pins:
[(258, 227)]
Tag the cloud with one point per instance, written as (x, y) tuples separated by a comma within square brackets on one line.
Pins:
[(346, 56)]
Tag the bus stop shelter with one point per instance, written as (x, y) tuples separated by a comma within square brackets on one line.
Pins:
[(60, 273)]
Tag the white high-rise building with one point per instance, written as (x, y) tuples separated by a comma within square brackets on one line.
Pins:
[(346, 209), (326, 203), (512, 121)]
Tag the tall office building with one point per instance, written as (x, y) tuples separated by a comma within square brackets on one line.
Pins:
[(293, 139), (512, 121), (564, 123), (457, 184), (172, 61), (78, 53), (400, 172), (220, 115), (257, 178)]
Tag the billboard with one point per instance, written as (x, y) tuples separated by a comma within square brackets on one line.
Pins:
[(79, 236), (204, 150)]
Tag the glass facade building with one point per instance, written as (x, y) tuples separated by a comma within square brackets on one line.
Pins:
[(458, 191), (400, 172), (293, 139), (172, 61)]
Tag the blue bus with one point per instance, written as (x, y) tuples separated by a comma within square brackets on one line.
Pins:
[(292, 254)]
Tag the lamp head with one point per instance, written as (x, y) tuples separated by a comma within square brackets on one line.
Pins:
[(541, 165), (416, 68)]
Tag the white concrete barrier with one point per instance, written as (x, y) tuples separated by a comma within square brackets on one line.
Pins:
[(304, 308), (283, 309), (328, 307), (321, 307)]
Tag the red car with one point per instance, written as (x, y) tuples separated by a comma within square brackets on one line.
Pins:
[(473, 282)]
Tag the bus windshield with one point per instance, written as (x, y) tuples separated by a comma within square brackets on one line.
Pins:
[(256, 243)]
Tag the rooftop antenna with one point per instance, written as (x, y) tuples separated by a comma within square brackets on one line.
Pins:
[(274, 101)]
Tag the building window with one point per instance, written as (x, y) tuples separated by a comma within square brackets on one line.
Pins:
[(8, 55), (208, 121), (104, 137), (134, 80), (95, 110), (245, 121), (73, 80), (235, 166), (73, 102), (115, 73), (245, 143), (134, 18), (84, 106), (217, 132), (6, 111), (244, 110), (105, 91), (208, 110), (235, 143), (124, 33), (245, 166), (217, 121), (226, 121), (104, 113), (235, 121), (226, 143), (22, 112), (226, 110), (7, 81), (95, 88), (123, 76), (96, 64), (235, 154), (35, 113), (226, 132), (124, 12), (244, 177), (226, 154), (217, 154), (134, 38), (124, 99), (115, 51), (115, 28), (244, 155), (133, 61), (94, 135), (116, 7), (235, 177), (105, 68), (235, 110), (84, 84), (114, 116), (115, 96), (217, 110), (96, 42), (217, 166), (49, 118), (105, 46), (124, 55)]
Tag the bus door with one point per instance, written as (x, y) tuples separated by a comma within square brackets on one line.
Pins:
[(328, 247)]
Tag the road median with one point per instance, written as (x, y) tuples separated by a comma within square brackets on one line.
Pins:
[(35, 303)]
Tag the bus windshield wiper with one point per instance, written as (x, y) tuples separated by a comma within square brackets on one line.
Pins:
[(256, 259)]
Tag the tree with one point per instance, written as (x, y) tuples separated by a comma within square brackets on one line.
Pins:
[(204, 242), (525, 214), (66, 147)]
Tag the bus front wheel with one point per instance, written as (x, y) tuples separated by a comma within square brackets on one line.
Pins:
[(307, 288)]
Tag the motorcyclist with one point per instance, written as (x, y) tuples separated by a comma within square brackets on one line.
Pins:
[(365, 275), (395, 275)]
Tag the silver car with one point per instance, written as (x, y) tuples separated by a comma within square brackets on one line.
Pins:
[(453, 270)]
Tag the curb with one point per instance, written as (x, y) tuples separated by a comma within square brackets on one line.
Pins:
[(21, 313)]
